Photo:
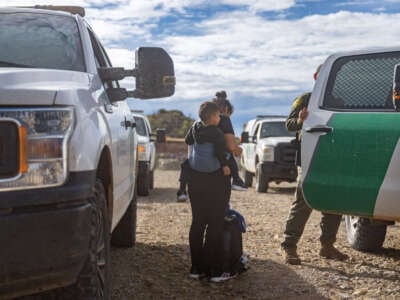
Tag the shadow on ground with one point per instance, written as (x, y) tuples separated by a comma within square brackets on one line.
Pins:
[(282, 190), (367, 270), (168, 195), (160, 272), (160, 195)]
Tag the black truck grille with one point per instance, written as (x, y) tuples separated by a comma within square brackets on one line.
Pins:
[(285, 153), (9, 149)]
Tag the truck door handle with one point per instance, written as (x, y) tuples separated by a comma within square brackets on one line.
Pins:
[(319, 128)]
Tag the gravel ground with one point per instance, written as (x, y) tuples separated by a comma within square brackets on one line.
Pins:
[(158, 266)]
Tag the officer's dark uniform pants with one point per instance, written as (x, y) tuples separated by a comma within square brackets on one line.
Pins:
[(209, 195), (298, 217)]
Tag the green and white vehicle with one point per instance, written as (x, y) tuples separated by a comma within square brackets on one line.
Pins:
[(350, 145)]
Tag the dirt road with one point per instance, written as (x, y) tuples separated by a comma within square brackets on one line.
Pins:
[(158, 266)]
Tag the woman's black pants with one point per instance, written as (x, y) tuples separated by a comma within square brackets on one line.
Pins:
[(209, 195)]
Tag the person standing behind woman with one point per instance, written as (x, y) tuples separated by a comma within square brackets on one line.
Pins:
[(226, 110)]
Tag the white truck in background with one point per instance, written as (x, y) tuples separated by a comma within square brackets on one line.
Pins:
[(268, 152), (146, 153)]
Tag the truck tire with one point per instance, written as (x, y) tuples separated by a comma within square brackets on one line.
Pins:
[(94, 281), (143, 182), (363, 235), (124, 234), (152, 180), (247, 177), (261, 180)]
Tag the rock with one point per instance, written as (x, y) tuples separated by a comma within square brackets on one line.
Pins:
[(360, 292)]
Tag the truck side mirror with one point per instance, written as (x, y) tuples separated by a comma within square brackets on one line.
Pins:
[(396, 88), (244, 137), (154, 72), (161, 136), (155, 76)]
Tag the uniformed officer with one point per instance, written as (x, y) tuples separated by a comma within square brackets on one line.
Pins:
[(300, 212)]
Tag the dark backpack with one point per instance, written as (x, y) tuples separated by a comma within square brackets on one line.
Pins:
[(233, 245)]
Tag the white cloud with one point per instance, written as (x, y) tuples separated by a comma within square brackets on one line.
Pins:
[(269, 61), (258, 56), (262, 5), (142, 11), (366, 2), (147, 10)]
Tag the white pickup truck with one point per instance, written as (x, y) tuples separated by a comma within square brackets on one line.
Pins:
[(67, 152), (268, 152)]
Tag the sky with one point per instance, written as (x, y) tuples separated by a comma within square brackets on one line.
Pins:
[(262, 52)]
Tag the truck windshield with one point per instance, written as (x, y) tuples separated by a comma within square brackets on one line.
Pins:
[(140, 126), (361, 82), (33, 40), (275, 129)]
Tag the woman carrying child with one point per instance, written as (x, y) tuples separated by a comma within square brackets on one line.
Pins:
[(209, 192)]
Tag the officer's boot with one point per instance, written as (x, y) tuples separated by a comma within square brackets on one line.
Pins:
[(330, 252), (290, 256)]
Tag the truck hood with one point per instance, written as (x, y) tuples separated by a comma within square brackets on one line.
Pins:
[(274, 141), (21, 86)]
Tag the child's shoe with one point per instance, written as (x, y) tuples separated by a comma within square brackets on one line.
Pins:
[(238, 185)]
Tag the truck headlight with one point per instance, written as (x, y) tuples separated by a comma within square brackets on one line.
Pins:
[(142, 150), (43, 138), (268, 153)]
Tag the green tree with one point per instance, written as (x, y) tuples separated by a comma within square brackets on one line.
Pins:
[(174, 121)]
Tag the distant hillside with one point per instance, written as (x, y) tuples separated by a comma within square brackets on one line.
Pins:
[(174, 121)]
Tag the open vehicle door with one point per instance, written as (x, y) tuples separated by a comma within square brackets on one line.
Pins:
[(350, 140)]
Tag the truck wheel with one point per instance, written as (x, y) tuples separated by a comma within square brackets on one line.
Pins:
[(94, 281), (143, 182), (261, 180), (363, 235), (248, 177), (152, 180), (124, 234)]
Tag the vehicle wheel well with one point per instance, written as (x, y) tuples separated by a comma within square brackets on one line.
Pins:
[(104, 173)]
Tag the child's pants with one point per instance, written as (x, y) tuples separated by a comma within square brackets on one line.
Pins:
[(234, 167), (209, 195)]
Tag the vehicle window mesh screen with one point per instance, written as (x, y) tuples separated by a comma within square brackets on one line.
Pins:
[(362, 82)]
